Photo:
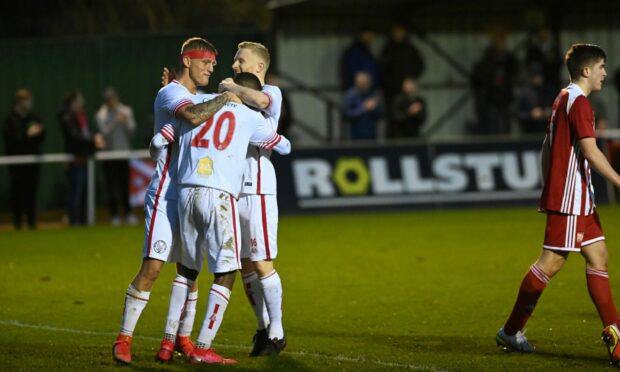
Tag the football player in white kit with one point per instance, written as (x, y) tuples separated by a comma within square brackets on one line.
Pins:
[(172, 104), (212, 160), (258, 208)]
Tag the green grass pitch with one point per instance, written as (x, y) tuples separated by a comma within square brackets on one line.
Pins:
[(365, 291)]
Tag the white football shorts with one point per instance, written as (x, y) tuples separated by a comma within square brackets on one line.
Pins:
[(161, 231), (209, 229), (259, 226)]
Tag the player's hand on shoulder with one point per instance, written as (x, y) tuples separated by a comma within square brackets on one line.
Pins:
[(232, 97), (167, 76), (226, 85)]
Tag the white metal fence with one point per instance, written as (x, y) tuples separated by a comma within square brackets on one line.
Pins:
[(90, 166)]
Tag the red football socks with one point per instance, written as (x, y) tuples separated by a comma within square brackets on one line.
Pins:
[(600, 292), (531, 288)]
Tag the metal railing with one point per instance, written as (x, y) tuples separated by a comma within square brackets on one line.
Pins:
[(90, 168)]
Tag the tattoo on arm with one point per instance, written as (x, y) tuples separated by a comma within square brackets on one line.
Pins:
[(201, 112)]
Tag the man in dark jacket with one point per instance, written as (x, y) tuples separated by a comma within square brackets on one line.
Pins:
[(80, 142), (399, 59), (408, 112), (23, 135), (358, 57)]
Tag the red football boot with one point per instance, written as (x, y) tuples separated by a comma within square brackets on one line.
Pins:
[(611, 337), (166, 351), (121, 351), (184, 345), (208, 356)]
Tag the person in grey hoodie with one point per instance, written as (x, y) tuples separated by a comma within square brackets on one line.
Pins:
[(115, 121)]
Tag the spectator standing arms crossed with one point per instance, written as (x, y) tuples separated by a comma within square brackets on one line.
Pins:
[(23, 134), (115, 121)]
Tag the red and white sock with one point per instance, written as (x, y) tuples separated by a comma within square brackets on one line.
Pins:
[(216, 306), (272, 291), (188, 316), (600, 292), (531, 288), (178, 296), (135, 302), (254, 292)]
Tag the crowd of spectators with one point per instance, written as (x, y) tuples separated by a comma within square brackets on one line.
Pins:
[(24, 133), (510, 91), (383, 87)]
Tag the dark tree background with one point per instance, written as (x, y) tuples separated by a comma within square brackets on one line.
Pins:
[(95, 17)]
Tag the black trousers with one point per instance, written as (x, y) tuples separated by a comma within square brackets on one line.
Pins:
[(23, 184), (117, 182)]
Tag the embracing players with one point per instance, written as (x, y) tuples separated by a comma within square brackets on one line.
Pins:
[(569, 150), (212, 163), (173, 104), (258, 207)]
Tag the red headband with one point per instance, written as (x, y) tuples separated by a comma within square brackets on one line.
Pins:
[(199, 54)]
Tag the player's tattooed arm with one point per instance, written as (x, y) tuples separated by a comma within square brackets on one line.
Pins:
[(201, 112), (252, 97)]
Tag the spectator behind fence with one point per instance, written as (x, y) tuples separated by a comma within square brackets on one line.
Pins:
[(534, 103), (542, 51), (80, 142), (492, 81), (399, 59), (408, 111), (358, 57), (362, 107), (23, 135), (116, 123)]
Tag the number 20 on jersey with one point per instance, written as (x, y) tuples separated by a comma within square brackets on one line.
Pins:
[(201, 139)]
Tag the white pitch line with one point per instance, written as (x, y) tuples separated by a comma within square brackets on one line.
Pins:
[(337, 358)]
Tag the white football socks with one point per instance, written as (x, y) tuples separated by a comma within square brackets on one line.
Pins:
[(254, 292), (178, 296), (216, 306), (187, 318), (135, 302), (272, 291)]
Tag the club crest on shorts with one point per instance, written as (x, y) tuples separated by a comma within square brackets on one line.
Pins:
[(579, 237), (160, 246)]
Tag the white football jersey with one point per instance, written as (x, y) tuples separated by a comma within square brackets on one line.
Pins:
[(214, 153), (259, 177), (169, 100)]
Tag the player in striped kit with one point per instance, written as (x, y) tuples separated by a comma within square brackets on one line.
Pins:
[(258, 208), (212, 161), (172, 104), (573, 225)]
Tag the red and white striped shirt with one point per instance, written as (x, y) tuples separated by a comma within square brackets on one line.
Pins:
[(568, 188)]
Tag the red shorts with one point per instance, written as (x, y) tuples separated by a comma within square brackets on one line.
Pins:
[(566, 232)]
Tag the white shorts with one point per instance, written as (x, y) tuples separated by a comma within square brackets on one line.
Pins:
[(259, 226), (209, 227), (161, 230)]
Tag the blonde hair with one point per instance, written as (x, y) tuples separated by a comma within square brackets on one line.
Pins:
[(257, 48)]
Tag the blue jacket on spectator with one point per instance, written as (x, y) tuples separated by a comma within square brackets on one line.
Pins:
[(363, 121)]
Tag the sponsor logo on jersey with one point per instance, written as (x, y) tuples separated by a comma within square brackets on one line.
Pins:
[(205, 167)]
